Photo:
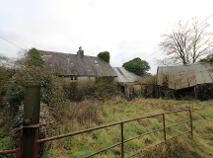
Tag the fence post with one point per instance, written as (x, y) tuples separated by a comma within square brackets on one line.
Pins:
[(164, 127), (122, 140), (31, 117), (191, 121)]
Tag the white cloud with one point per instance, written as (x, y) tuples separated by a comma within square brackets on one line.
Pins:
[(126, 28)]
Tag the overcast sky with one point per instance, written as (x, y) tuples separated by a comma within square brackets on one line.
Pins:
[(125, 28)]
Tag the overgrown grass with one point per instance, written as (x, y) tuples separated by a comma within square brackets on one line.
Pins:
[(118, 109), (86, 114), (6, 141)]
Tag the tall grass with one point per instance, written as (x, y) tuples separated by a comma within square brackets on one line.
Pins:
[(92, 113), (80, 115)]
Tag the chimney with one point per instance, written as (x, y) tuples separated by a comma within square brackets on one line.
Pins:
[(80, 52)]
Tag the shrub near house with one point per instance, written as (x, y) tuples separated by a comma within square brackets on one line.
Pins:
[(104, 56), (137, 66)]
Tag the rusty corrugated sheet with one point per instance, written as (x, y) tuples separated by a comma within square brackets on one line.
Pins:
[(184, 76)]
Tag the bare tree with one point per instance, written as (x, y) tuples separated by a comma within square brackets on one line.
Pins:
[(187, 43)]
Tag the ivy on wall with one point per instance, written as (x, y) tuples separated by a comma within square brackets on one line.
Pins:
[(104, 56)]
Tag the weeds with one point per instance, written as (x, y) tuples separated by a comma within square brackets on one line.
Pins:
[(86, 114), (117, 109)]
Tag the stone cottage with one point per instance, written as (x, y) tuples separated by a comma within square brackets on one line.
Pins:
[(78, 67)]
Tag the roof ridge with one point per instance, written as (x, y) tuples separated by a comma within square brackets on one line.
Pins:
[(57, 52), (70, 64)]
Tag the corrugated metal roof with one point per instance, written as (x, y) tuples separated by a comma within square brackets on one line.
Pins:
[(125, 76), (73, 64), (184, 76)]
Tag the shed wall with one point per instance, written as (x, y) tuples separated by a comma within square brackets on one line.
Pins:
[(179, 77)]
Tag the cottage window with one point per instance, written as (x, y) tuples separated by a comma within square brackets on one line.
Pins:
[(73, 78)]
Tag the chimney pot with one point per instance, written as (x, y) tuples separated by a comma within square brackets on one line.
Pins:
[(80, 52)]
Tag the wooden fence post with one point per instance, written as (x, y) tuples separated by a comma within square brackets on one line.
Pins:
[(122, 140), (31, 117)]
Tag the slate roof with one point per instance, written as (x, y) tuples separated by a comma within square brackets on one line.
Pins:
[(75, 65), (125, 76), (185, 76)]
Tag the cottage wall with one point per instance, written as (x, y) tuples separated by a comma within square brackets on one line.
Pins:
[(82, 81), (85, 81)]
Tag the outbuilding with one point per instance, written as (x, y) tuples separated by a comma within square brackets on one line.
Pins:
[(128, 82), (190, 79)]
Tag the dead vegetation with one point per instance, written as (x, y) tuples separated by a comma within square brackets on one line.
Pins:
[(176, 148)]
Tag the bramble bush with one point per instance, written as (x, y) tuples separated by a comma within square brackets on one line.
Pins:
[(29, 71), (5, 75), (103, 88)]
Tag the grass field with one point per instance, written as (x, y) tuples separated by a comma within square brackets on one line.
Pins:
[(87, 114)]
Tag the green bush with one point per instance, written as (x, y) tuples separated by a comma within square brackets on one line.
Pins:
[(6, 140), (30, 71), (71, 92), (104, 56), (137, 66), (14, 96), (33, 71), (103, 88), (208, 59), (5, 76), (33, 58)]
